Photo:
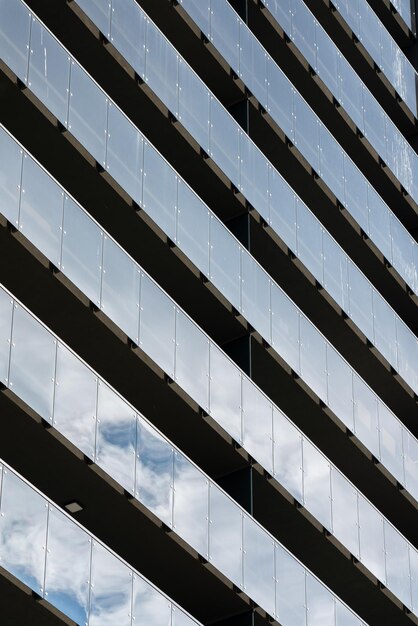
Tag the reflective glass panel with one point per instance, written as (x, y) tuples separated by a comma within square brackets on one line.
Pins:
[(87, 114), (191, 502), (344, 617), (257, 424), (255, 295), (374, 123), (285, 327), (23, 523), (157, 329), (11, 156), (111, 589), (49, 71), (254, 174), (413, 561), (403, 251), (313, 358), (259, 565), (32, 363), (154, 472), (14, 36), (225, 262), (128, 33), (67, 566), (287, 455), (280, 99), (161, 68), (6, 310), (304, 31), (224, 30), (281, 9), (75, 401), (225, 535), (355, 193), (369, 28), (282, 209), (192, 360), (225, 392), (124, 153), (116, 437), (290, 589), (361, 300), (410, 450), (160, 191), (335, 271), (365, 416), (252, 63), (397, 564), (344, 512), (224, 141), (407, 354), (200, 12), (319, 602), (194, 105), (82, 250), (99, 13), (306, 132), (120, 288), (351, 93), (391, 448), (193, 227), (316, 484), (384, 328), (340, 387), (331, 163), (379, 223), (150, 607), (327, 60), (41, 210), (179, 618), (372, 551), (309, 241)]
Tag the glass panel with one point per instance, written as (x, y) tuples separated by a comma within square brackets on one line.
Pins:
[(361, 300), (194, 105), (255, 295), (331, 163), (290, 589), (32, 363), (87, 114), (254, 175), (327, 60), (224, 141), (335, 271), (82, 250), (384, 328), (225, 535), (41, 210), (160, 191), (6, 310), (23, 523), (309, 241), (75, 401), (280, 99), (150, 607), (225, 262), (224, 30), (259, 565), (111, 589), (124, 153), (49, 71), (192, 360), (407, 354), (369, 28), (287, 455), (355, 193), (306, 132), (181, 619), (10, 175), (351, 93), (157, 325), (304, 32), (403, 251), (120, 288), (313, 358), (316, 484), (281, 9), (128, 33), (257, 424), (225, 393), (380, 223), (67, 567), (344, 617), (345, 512), (397, 564), (365, 416), (200, 13), (320, 603), (282, 209), (161, 68), (340, 387), (191, 502), (253, 64), (413, 560), (14, 36), (372, 551), (410, 450), (99, 13), (154, 472), (285, 327), (374, 123), (116, 437), (193, 227)]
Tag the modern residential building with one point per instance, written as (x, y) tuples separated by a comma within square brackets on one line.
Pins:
[(208, 312)]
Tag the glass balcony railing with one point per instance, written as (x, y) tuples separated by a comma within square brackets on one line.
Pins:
[(67, 566), (383, 49), (348, 89), (44, 373), (268, 191), (406, 10)]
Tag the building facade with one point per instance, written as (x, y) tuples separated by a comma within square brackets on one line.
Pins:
[(208, 312)]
